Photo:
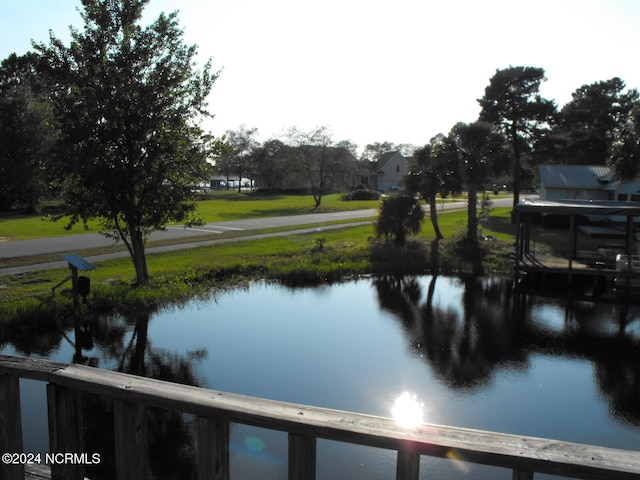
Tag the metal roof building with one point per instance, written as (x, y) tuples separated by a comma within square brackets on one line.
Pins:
[(577, 182)]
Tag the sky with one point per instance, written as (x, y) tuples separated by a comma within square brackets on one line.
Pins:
[(400, 71)]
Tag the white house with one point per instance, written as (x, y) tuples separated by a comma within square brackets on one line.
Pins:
[(391, 167)]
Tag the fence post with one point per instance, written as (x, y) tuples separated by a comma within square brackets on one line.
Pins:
[(131, 440), (522, 475), (408, 465), (10, 425), (65, 430), (213, 449), (302, 457)]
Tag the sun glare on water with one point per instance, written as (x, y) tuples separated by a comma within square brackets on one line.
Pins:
[(407, 411)]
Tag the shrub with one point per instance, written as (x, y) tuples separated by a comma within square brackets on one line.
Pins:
[(399, 216), (361, 194)]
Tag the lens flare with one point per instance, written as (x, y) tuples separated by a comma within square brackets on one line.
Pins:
[(458, 461), (407, 411)]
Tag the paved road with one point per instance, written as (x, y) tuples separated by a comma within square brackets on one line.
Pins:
[(39, 246), (24, 248)]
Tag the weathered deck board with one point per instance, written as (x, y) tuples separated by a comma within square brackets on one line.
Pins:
[(31, 368), (38, 472)]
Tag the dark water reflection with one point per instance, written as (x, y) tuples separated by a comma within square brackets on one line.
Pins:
[(466, 342), (473, 352)]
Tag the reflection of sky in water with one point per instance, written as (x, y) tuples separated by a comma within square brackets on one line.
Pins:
[(549, 316), (354, 357), (448, 293), (588, 318)]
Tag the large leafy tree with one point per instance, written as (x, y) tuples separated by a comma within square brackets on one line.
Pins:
[(513, 103), (239, 145), (324, 166), (373, 151), (127, 100), (585, 127), (269, 163), (625, 147), (26, 135)]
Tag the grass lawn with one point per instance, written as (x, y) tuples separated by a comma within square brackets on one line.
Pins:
[(231, 205), (216, 207)]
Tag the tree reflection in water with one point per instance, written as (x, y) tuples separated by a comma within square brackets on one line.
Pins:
[(491, 327), (171, 434), (172, 448), (32, 336)]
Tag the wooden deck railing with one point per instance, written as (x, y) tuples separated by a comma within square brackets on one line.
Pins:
[(215, 410)]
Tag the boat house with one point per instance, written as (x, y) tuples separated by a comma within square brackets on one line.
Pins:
[(601, 249)]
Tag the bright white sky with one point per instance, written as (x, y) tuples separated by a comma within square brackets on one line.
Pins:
[(398, 71)]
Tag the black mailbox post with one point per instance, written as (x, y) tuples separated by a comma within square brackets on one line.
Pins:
[(81, 285)]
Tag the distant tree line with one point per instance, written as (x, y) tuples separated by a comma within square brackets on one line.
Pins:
[(297, 161), (310, 162), (518, 129)]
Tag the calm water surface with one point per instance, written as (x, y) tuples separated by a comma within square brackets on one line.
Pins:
[(471, 353)]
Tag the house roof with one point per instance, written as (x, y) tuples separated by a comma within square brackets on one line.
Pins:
[(581, 207), (385, 158), (576, 176)]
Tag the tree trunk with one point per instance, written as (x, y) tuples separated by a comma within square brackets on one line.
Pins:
[(516, 171), (435, 258), (317, 193), (136, 363), (473, 244), (433, 214), (472, 215), (136, 248), (139, 258)]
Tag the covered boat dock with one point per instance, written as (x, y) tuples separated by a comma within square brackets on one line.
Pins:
[(612, 223)]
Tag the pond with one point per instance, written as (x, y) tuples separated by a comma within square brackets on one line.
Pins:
[(467, 352)]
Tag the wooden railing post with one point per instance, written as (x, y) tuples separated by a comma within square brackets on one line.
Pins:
[(65, 430), (302, 457), (213, 449), (131, 440), (408, 465), (522, 475), (10, 426)]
